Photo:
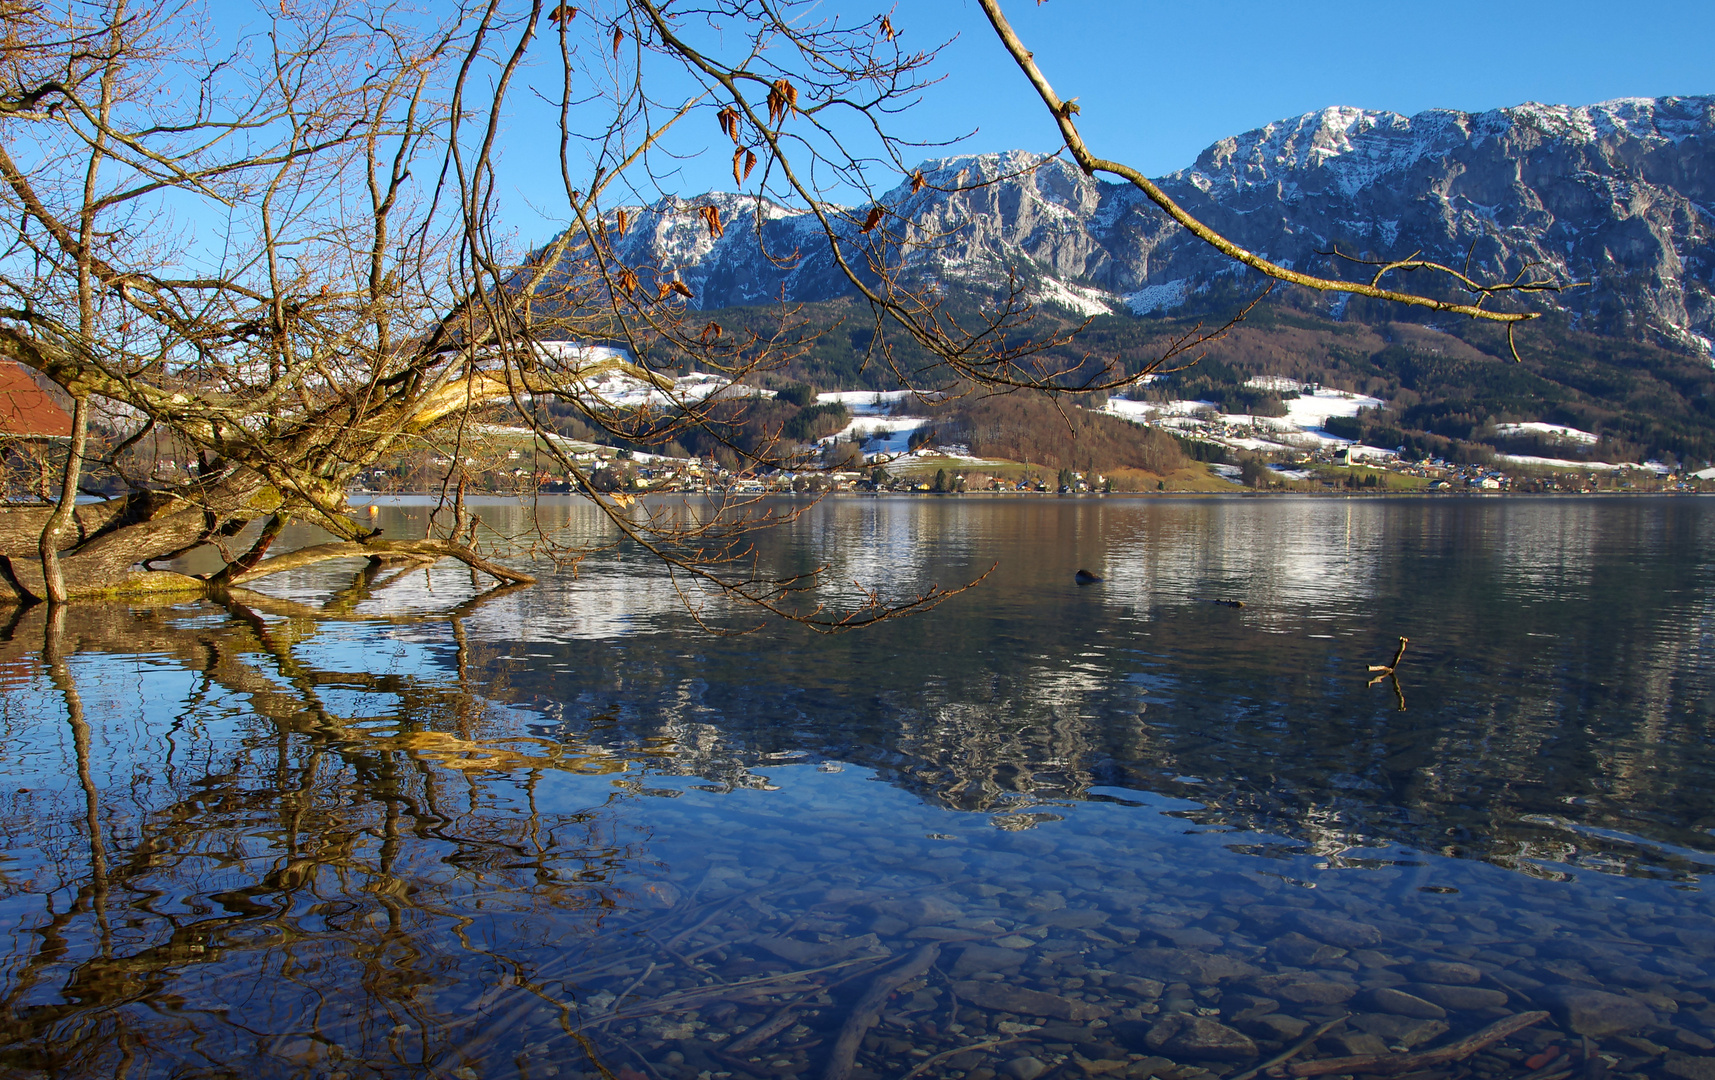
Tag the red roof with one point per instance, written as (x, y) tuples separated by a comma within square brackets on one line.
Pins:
[(26, 410)]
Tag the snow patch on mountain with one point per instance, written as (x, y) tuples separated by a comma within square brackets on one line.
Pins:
[(1079, 298), (1163, 297)]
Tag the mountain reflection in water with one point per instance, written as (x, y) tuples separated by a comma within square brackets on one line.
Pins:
[(1114, 830)]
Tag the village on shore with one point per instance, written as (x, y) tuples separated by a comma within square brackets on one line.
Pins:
[(885, 448)]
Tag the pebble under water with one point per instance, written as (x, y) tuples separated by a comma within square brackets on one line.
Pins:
[(1047, 830)]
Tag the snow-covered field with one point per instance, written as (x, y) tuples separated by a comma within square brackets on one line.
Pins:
[(865, 402), (615, 389), (1139, 412), (1655, 467), (873, 423), (1552, 431), (1299, 429), (881, 434), (624, 392), (1314, 405)]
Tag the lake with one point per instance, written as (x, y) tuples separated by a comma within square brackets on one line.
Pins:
[(1160, 825)]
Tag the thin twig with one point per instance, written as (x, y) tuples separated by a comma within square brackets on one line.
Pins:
[(945, 1054)]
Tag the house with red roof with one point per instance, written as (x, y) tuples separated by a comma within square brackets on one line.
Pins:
[(27, 412)]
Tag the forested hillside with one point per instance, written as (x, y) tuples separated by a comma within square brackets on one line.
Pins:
[(1445, 383)]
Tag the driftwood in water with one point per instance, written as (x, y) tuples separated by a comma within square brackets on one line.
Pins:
[(868, 1009), (1400, 1063)]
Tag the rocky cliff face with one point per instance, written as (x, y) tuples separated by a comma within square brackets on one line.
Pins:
[(1620, 195)]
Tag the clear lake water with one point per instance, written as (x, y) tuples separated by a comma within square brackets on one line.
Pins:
[(1160, 825)]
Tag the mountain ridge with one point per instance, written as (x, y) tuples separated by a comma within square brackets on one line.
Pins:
[(1619, 194)]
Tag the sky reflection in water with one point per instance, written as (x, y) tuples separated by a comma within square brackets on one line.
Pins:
[(1121, 829)]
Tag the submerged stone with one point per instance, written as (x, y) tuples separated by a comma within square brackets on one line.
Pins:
[(1354, 1043), (1295, 948), (1072, 918), (1446, 973), (809, 953), (1004, 997), (1148, 989), (1304, 989), (918, 911), (1597, 1013), (1193, 937), (979, 958), (1400, 1003), (1461, 997), (1192, 965), (1400, 1030), (1277, 1026), (1024, 1068), (1346, 933), (1183, 1035)]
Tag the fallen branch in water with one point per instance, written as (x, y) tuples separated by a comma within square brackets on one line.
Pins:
[(764, 1031), (782, 1019), (1399, 1063), (1293, 1051), (868, 1009)]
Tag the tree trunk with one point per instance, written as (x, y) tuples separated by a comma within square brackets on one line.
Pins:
[(96, 547), (53, 577), (100, 558)]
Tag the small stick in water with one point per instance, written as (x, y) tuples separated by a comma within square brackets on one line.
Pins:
[(1400, 1063), (1387, 669)]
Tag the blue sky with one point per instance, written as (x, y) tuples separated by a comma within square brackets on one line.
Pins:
[(1158, 82)]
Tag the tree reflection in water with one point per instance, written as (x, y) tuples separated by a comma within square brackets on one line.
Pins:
[(273, 840), (284, 868)]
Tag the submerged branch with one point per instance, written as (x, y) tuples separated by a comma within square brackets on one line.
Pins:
[(426, 551)]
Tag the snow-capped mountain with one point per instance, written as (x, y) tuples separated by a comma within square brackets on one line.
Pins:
[(1620, 195)]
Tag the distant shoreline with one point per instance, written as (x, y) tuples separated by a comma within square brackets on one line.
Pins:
[(364, 498)]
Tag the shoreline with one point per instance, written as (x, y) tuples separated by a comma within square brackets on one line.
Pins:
[(363, 498)]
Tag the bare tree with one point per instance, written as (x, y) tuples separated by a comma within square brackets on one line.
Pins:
[(282, 260), (275, 253)]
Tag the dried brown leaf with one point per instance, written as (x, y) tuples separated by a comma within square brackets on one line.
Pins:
[(712, 220)]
